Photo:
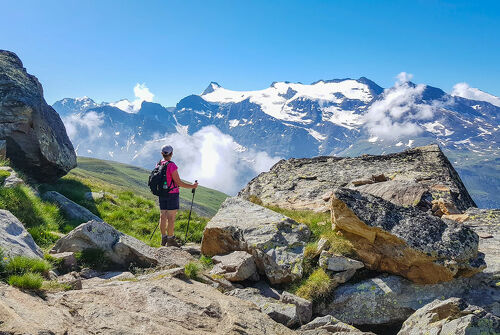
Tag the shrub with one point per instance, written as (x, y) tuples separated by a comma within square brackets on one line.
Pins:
[(3, 175), (206, 261), (19, 265), (92, 258), (316, 287), (192, 270), (29, 281)]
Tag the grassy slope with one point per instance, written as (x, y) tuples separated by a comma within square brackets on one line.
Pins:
[(121, 176)]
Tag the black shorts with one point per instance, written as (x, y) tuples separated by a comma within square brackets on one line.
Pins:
[(169, 202)]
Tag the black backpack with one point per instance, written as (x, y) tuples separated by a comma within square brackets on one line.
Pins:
[(157, 179)]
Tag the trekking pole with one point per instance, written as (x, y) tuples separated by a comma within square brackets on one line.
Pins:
[(154, 231), (189, 217)]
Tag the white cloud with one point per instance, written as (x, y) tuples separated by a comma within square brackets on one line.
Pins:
[(211, 157), (465, 91), (142, 93), (88, 122), (396, 114)]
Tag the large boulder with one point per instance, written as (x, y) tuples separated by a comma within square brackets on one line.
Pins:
[(71, 209), (121, 249), (276, 241), (300, 183), (160, 305), (389, 300), (35, 137), (325, 325), (405, 240), (452, 316), (15, 239)]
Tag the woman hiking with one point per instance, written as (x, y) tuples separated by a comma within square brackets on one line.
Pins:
[(169, 204)]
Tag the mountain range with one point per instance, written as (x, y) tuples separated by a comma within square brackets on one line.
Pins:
[(343, 117)]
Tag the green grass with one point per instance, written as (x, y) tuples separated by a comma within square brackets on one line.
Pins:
[(206, 261), (192, 270), (3, 175), (29, 281), (54, 286), (92, 258), (316, 287), (38, 216), (19, 265)]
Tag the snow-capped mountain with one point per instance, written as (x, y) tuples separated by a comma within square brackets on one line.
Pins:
[(327, 117)]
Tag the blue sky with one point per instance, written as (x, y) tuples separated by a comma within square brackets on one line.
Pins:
[(103, 48)]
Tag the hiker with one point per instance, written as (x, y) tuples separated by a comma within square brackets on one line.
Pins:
[(169, 204)]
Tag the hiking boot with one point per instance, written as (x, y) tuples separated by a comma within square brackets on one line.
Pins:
[(164, 240), (171, 242)]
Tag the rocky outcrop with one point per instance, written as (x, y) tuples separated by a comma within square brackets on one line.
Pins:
[(35, 137), (452, 316), (236, 266), (71, 209), (15, 239), (12, 179), (390, 300), (325, 325), (275, 241), (300, 183), (121, 249), (162, 305), (287, 312), (405, 240)]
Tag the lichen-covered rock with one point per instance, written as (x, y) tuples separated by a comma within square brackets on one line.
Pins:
[(389, 300), (120, 248), (72, 210), (35, 137), (452, 316), (405, 240), (15, 239), (301, 183), (276, 241), (287, 314), (400, 192), (12, 179), (303, 306), (236, 266), (338, 262)]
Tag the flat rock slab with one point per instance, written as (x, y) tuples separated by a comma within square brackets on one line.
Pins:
[(324, 325), (300, 183), (122, 249), (71, 209), (388, 300), (276, 241), (338, 262), (400, 192), (405, 240), (172, 257), (15, 239), (451, 316), (163, 305)]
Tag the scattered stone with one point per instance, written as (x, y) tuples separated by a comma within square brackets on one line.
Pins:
[(72, 279), (34, 136), (52, 275), (15, 239), (324, 325), (276, 241), (338, 262), (121, 249), (68, 261), (451, 316), (405, 240), (304, 307), (442, 207), (93, 196), (284, 313), (323, 245), (88, 273), (71, 209), (341, 277), (379, 178), (361, 182), (172, 257), (192, 248), (401, 193), (236, 266), (427, 165)]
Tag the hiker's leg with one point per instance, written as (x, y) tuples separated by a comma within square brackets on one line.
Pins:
[(163, 222), (171, 221)]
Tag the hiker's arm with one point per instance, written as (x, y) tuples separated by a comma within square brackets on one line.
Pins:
[(178, 181)]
